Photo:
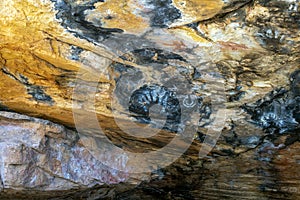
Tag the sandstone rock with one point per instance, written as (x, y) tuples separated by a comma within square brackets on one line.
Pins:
[(226, 72), (38, 155)]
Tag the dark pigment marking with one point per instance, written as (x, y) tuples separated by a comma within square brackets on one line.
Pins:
[(164, 13), (152, 55), (72, 17), (38, 94), (75, 52), (282, 23), (271, 39), (196, 74), (235, 94), (285, 13), (235, 140), (143, 98), (126, 84), (295, 83), (295, 89), (146, 96), (205, 110), (4, 108), (279, 111), (127, 77), (35, 91), (165, 92)]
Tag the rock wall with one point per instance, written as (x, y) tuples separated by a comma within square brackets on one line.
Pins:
[(219, 77)]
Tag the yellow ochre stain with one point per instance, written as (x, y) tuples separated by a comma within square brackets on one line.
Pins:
[(120, 14), (196, 10), (191, 33)]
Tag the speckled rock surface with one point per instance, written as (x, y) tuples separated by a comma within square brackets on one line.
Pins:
[(61, 59), (39, 156)]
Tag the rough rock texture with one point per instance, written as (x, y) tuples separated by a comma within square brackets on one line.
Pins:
[(39, 156), (234, 64)]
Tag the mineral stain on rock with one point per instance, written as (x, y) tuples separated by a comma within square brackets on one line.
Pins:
[(75, 52), (277, 24), (279, 111), (119, 14), (38, 94), (35, 91), (166, 82), (73, 18), (152, 59), (194, 10), (164, 14), (3, 108), (155, 56), (295, 83), (145, 97), (98, 19), (275, 37)]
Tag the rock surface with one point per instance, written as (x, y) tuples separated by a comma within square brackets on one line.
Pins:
[(38, 155), (226, 71)]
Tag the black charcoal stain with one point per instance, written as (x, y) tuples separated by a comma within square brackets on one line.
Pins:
[(23, 79), (196, 74), (3, 107), (148, 95), (150, 57), (130, 87), (72, 17), (164, 13), (230, 136), (295, 83), (279, 111), (141, 99), (155, 56), (75, 52), (205, 110), (235, 94), (295, 89), (126, 84), (272, 39), (37, 92), (276, 30)]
